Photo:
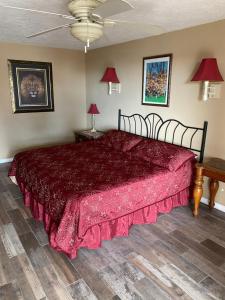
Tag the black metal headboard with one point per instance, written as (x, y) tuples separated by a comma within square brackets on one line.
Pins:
[(171, 131)]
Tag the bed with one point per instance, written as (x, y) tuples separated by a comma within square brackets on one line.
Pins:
[(95, 190)]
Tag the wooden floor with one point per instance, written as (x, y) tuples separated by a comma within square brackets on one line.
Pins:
[(178, 258)]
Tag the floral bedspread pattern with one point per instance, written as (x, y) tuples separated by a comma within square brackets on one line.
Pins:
[(81, 185)]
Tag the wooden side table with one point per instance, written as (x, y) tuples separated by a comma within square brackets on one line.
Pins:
[(86, 135), (214, 168)]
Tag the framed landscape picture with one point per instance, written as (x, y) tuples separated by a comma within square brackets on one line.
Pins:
[(31, 86), (156, 80)]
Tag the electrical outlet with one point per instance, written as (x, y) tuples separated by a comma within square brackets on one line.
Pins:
[(222, 190), (214, 91)]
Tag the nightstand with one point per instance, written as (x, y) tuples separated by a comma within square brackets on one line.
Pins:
[(213, 168), (86, 135)]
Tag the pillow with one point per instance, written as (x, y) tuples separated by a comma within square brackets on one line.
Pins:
[(120, 140), (165, 155)]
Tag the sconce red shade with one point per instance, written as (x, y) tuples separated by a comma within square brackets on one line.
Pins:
[(110, 76), (208, 71), (93, 109)]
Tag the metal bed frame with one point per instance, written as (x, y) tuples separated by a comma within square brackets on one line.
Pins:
[(153, 126)]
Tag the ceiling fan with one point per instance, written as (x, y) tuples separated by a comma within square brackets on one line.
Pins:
[(88, 18)]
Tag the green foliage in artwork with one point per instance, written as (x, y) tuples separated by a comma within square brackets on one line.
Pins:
[(155, 100)]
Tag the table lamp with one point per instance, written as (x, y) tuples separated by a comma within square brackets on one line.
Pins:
[(93, 110)]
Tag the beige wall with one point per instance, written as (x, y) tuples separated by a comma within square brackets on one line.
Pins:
[(188, 48), (19, 131)]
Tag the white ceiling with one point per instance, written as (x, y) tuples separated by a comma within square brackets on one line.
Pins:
[(170, 14)]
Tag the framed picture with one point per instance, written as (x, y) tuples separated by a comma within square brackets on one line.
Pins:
[(31, 86), (156, 80)]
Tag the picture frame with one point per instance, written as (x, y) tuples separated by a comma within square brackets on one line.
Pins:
[(31, 85), (156, 80)]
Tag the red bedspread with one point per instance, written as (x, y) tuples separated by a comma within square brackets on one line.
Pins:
[(77, 186)]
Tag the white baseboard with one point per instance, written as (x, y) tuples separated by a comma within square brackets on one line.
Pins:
[(6, 160), (218, 206)]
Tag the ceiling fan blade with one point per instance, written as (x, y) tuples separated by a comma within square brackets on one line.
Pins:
[(108, 23), (154, 28), (49, 30), (112, 7), (38, 11)]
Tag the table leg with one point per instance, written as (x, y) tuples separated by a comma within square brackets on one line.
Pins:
[(213, 188), (198, 190)]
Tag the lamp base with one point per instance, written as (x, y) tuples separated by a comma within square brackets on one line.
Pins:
[(205, 91), (114, 87)]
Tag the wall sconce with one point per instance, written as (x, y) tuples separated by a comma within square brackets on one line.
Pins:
[(208, 72), (93, 110), (110, 76)]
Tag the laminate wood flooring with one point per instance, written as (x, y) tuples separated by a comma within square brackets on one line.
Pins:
[(179, 257)]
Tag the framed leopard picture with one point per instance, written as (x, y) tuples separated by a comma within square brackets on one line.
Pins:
[(31, 85)]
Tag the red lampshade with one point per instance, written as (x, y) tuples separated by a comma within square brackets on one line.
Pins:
[(110, 76), (93, 109), (208, 71)]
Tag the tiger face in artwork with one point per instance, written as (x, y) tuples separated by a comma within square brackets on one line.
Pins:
[(32, 87)]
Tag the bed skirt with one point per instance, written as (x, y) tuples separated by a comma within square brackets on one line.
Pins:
[(105, 231)]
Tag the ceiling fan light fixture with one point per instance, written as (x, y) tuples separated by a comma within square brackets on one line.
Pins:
[(87, 32)]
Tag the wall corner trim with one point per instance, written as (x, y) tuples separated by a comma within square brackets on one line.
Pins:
[(6, 160), (218, 206)]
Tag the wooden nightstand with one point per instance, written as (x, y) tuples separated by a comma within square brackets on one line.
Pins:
[(86, 135), (214, 168)]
